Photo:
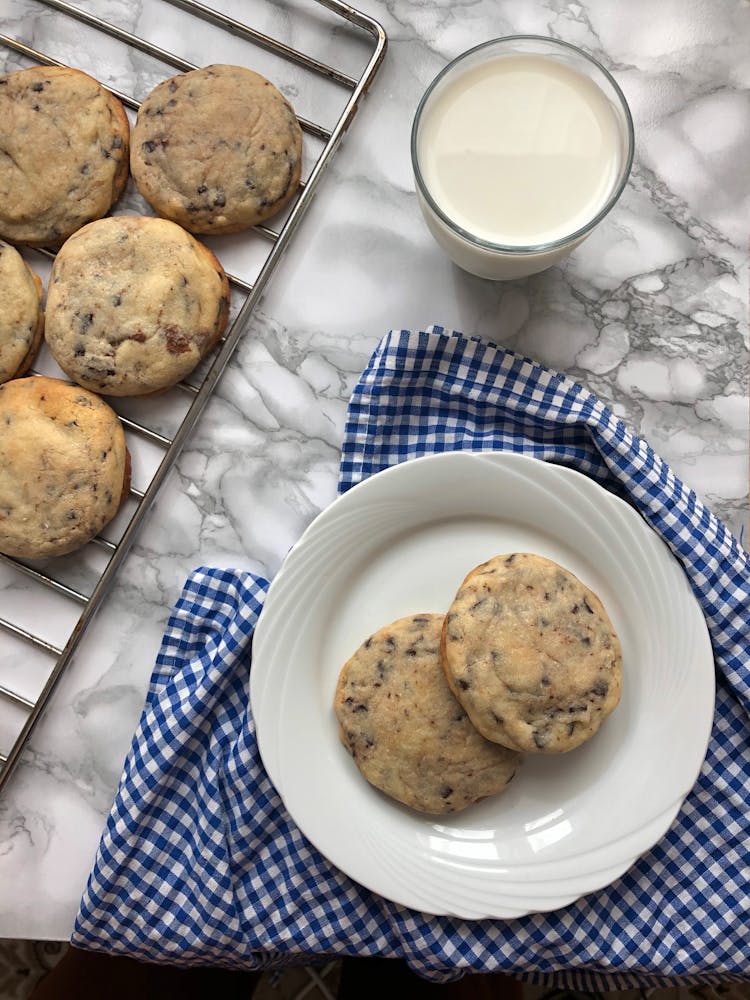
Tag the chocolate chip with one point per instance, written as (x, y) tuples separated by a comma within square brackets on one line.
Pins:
[(601, 688), (446, 792), (201, 189), (79, 351), (37, 87), (462, 684), (149, 146), (95, 372), (117, 142), (220, 200), (86, 169), (117, 300), (172, 86), (355, 706), (177, 342), (587, 606)]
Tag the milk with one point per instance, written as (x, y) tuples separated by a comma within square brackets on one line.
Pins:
[(521, 151), (520, 146)]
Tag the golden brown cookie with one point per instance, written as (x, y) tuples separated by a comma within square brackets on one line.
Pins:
[(64, 148), (21, 314), (217, 149), (531, 654), (408, 735), (64, 467), (133, 304)]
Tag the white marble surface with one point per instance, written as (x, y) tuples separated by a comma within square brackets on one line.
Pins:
[(650, 313)]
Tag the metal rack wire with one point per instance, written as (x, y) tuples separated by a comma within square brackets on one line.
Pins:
[(354, 87)]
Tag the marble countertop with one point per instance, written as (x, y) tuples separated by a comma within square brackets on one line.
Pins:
[(651, 313)]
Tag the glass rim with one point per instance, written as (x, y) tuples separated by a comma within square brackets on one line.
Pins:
[(524, 248)]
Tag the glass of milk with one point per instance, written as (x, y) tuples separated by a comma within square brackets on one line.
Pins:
[(520, 146)]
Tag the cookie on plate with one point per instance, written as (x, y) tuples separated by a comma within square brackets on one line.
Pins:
[(21, 313), (217, 149), (64, 467), (66, 145), (531, 654), (133, 305), (408, 735)]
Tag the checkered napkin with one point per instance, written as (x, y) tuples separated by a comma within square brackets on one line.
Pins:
[(200, 863)]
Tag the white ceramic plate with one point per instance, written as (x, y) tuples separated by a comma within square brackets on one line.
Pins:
[(400, 543)]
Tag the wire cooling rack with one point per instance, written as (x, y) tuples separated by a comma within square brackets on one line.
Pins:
[(83, 580)]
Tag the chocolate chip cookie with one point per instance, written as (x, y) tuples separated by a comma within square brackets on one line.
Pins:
[(408, 735), (133, 304), (531, 654), (64, 467), (21, 314), (64, 149), (217, 149)]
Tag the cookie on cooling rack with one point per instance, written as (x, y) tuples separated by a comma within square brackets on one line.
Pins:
[(531, 654), (133, 305), (217, 149), (66, 145), (64, 467), (21, 313), (408, 735)]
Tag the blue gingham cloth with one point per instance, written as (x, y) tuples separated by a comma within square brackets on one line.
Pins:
[(200, 863)]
